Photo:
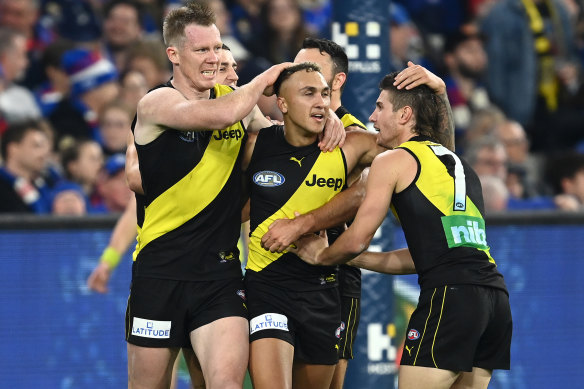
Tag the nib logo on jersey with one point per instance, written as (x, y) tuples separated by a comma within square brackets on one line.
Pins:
[(381, 353), (465, 231), (151, 328)]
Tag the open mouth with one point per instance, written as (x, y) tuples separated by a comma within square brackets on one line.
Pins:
[(317, 116), (208, 73)]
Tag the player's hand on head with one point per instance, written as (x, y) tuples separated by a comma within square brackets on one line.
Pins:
[(309, 246), (270, 76), (416, 75), (334, 133)]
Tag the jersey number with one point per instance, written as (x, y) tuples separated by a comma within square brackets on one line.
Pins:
[(459, 179)]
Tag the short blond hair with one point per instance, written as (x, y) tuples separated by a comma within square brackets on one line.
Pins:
[(194, 12)]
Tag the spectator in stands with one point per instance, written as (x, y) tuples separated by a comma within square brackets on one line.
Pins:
[(223, 23), (121, 30), (82, 161), (246, 23), (93, 84), (482, 123), (529, 44), (523, 176), (566, 175), (23, 16), (487, 157), (115, 120), (149, 58), (465, 63), (74, 20), (406, 43), (133, 88), (68, 199), (284, 31), (112, 184), (16, 102), (495, 193), (58, 85), (25, 151)]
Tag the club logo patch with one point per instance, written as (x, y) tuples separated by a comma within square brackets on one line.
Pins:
[(413, 334)]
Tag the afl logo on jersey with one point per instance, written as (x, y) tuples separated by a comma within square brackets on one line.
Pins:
[(413, 334), (187, 136), (268, 178)]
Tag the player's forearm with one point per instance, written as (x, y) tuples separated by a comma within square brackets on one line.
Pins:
[(124, 233), (340, 209), (447, 123), (348, 246), (392, 262)]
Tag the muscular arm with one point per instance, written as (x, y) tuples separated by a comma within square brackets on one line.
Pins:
[(415, 75), (169, 108), (391, 170), (393, 262), (341, 208), (133, 177)]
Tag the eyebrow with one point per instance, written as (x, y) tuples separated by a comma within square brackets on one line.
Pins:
[(314, 89)]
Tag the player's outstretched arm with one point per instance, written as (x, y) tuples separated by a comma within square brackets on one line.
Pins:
[(123, 235), (341, 208), (415, 75), (391, 262)]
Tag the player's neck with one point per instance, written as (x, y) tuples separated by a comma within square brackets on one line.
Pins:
[(189, 89), (296, 135), (335, 100)]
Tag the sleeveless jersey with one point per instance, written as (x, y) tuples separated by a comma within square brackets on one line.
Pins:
[(191, 207), (441, 214), (349, 276), (284, 179), (347, 119)]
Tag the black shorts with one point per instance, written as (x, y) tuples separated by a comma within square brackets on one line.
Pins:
[(459, 327), (350, 312), (308, 320), (162, 313)]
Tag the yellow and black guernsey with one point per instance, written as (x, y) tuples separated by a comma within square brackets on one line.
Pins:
[(349, 276), (441, 214), (347, 119), (284, 179), (191, 207)]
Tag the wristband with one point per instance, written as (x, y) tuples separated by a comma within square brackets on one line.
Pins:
[(111, 257)]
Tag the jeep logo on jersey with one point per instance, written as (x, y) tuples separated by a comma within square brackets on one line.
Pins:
[(465, 231), (268, 178), (336, 183), (227, 134)]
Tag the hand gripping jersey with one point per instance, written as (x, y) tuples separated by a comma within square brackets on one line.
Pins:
[(285, 179), (192, 207), (441, 214)]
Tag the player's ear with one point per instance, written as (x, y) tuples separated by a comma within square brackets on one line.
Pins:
[(282, 104), (406, 114), (172, 54), (338, 81)]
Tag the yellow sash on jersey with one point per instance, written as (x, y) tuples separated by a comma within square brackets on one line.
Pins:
[(195, 191), (305, 199)]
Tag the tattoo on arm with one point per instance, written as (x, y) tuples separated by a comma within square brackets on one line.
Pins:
[(446, 131)]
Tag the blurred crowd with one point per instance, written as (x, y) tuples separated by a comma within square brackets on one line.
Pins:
[(72, 72)]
